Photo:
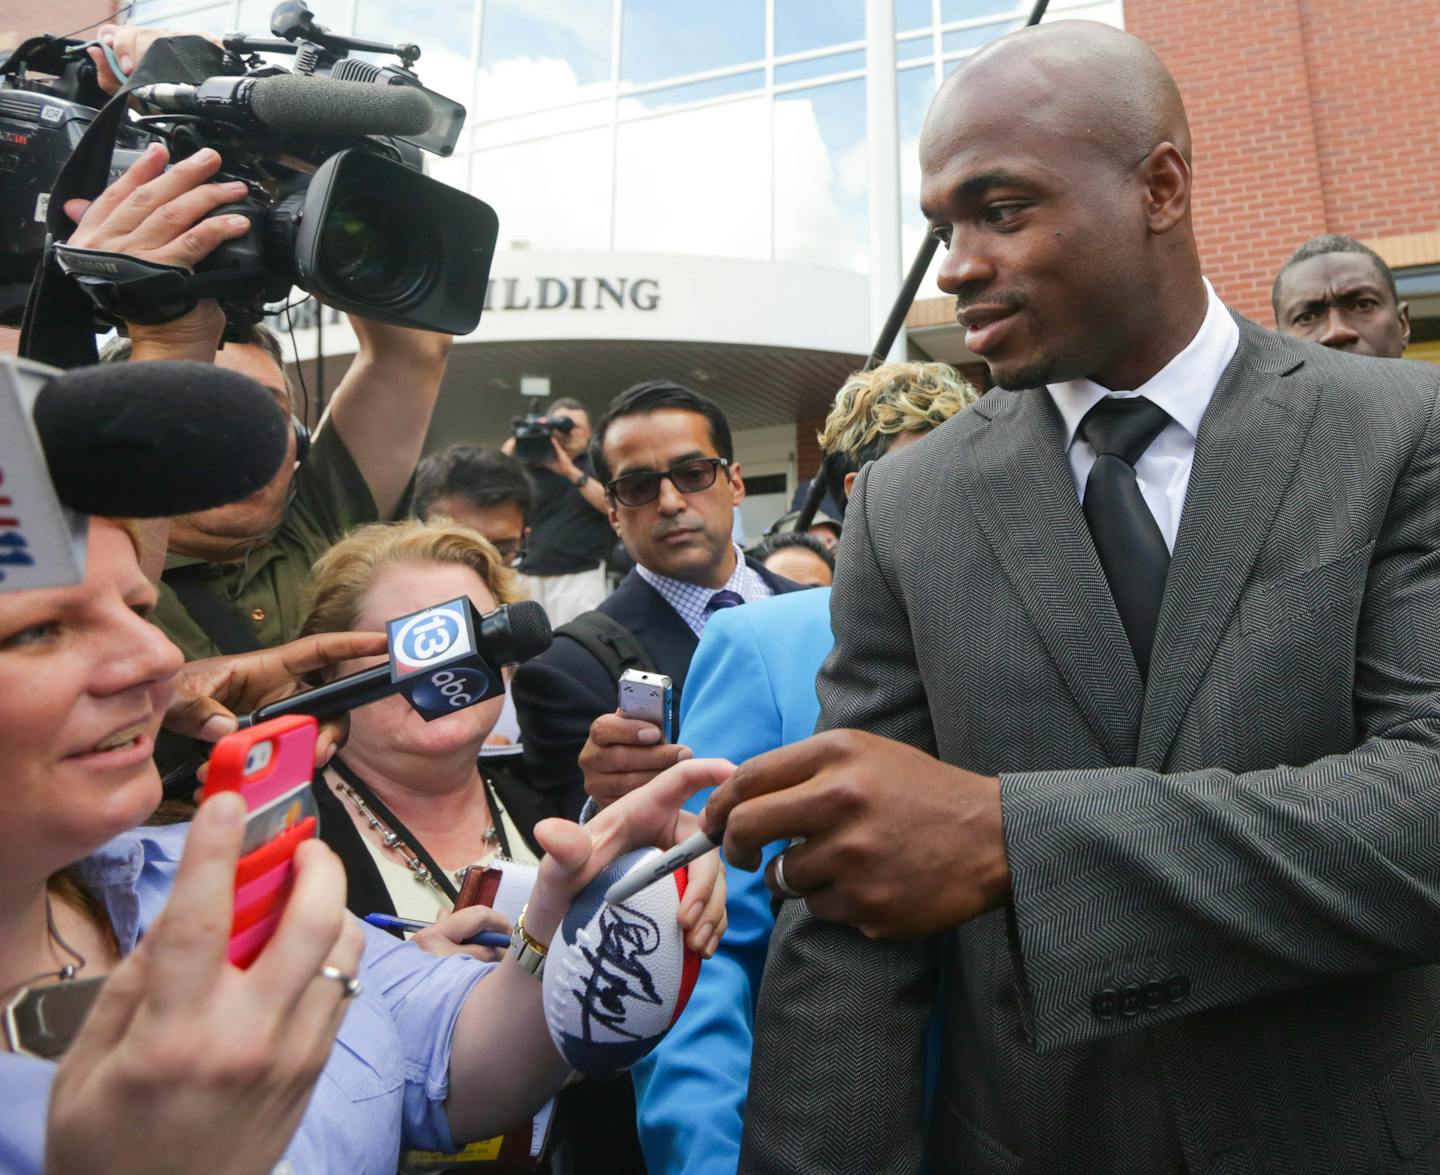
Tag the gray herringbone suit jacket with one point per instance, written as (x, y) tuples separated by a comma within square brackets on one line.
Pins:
[(1226, 884)]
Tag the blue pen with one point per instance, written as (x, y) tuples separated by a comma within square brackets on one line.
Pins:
[(486, 938)]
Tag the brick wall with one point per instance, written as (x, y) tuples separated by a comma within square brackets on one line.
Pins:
[(1309, 116), (19, 19)]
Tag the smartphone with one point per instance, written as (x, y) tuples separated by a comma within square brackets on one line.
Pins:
[(650, 697), (270, 765)]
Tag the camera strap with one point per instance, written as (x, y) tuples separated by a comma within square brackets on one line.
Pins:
[(59, 316), (146, 292)]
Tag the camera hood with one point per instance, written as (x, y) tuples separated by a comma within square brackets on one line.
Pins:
[(391, 244)]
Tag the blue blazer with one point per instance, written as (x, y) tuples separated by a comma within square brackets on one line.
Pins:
[(751, 688)]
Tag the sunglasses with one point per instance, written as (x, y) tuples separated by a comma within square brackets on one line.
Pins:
[(689, 477)]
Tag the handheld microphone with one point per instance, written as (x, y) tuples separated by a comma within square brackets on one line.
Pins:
[(133, 440), (296, 104), (442, 659)]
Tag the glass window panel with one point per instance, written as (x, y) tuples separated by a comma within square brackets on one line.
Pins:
[(520, 127), (454, 171), (967, 39), (816, 67), (153, 12), (695, 91), (813, 24), (914, 88), (656, 44), (696, 181), (822, 177), (910, 50), (912, 14), (442, 28), (534, 55), (974, 9), (535, 209)]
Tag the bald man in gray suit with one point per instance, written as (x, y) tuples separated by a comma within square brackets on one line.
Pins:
[(1132, 772)]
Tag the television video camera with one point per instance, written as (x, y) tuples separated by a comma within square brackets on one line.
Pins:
[(532, 436), (331, 154)]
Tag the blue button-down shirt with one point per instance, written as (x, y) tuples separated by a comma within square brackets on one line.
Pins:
[(692, 601), (385, 1084)]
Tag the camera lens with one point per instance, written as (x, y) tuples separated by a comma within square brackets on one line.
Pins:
[(361, 248)]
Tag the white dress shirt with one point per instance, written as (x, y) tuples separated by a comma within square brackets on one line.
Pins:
[(1183, 388)]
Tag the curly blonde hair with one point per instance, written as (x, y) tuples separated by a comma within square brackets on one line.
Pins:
[(344, 575), (872, 407)]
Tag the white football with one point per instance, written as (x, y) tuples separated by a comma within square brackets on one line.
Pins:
[(616, 977)]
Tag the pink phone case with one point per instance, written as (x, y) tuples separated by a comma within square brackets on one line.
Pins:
[(264, 876)]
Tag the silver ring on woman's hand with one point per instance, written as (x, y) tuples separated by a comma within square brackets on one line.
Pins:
[(786, 890), (348, 982)]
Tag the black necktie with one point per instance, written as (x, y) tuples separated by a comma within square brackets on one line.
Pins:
[(1131, 548)]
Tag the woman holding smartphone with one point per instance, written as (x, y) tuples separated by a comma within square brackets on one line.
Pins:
[(186, 1063)]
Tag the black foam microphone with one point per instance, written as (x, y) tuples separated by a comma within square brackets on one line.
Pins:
[(296, 104), (154, 439)]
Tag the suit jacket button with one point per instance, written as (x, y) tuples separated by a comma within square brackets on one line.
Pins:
[(1129, 1001), (1105, 1004), (1152, 996), (1177, 989)]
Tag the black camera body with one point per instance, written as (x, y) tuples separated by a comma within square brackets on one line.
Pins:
[(345, 214), (40, 127), (532, 435)]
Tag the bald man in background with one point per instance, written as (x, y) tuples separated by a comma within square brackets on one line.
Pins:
[(1151, 829)]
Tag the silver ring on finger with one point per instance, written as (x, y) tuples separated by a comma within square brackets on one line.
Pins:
[(785, 888), (351, 985)]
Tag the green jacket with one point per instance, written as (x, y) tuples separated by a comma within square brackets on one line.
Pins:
[(268, 586)]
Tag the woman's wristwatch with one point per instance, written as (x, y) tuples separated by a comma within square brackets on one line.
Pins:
[(529, 953)]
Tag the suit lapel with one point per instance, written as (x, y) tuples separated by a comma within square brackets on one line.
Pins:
[(1245, 455), (1017, 478)]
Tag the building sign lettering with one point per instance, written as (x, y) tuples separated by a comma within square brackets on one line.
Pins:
[(513, 293)]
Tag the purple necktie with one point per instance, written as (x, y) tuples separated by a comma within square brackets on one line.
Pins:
[(723, 599)]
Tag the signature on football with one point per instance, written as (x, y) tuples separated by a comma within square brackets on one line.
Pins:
[(618, 970)]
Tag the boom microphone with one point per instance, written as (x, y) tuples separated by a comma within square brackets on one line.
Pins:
[(297, 104), (155, 439), (443, 659)]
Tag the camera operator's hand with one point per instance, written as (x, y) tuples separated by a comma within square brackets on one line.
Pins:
[(561, 462), (590, 489), (187, 1064), (129, 43), (159, 215), (210, 692), (622, 754)]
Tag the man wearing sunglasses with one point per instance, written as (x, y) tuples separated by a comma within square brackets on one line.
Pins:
[(665, 458)]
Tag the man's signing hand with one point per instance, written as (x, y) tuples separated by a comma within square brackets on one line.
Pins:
[(895, 842)]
